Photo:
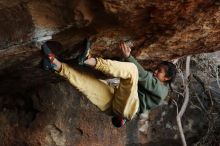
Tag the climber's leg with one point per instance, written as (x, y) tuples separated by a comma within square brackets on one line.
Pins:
[(125, 101), (95, 90)]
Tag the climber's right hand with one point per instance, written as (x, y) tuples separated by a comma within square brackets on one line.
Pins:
[(126, 50)]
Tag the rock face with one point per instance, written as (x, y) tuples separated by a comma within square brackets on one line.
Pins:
[(58, 117), (159, 30), (38, 108)]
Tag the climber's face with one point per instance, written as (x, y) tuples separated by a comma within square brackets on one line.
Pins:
[(160, 73)]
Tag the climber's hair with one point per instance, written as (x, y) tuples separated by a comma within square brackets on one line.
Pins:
[(170, 70)]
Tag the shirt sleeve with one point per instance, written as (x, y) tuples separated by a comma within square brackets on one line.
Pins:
[(141, 70)]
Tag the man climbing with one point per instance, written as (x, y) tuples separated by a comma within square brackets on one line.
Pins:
[(138, 90)]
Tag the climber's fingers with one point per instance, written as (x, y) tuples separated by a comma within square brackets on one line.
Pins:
[(125, 49)]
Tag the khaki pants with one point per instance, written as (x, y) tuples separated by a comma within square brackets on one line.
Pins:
[(123, 99)]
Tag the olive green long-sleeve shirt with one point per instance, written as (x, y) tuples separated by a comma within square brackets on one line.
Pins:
[(151, 91)]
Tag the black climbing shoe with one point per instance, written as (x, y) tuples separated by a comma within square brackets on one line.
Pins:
[(47, 51), (47, 65), (118, 121), (47, 62), (85, 52)]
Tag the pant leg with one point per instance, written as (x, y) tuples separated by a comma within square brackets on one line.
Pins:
[(125, 101), (95, 90)]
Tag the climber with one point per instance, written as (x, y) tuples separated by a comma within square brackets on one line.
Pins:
[(138, 90), (152, 87)]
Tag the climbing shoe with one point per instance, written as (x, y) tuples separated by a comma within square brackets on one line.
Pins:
[(47, 52), (47, 65), (85, 52), (47, 62), (118, 121)]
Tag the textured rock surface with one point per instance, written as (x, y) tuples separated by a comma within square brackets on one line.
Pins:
[(58, 115), (159, 29)]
